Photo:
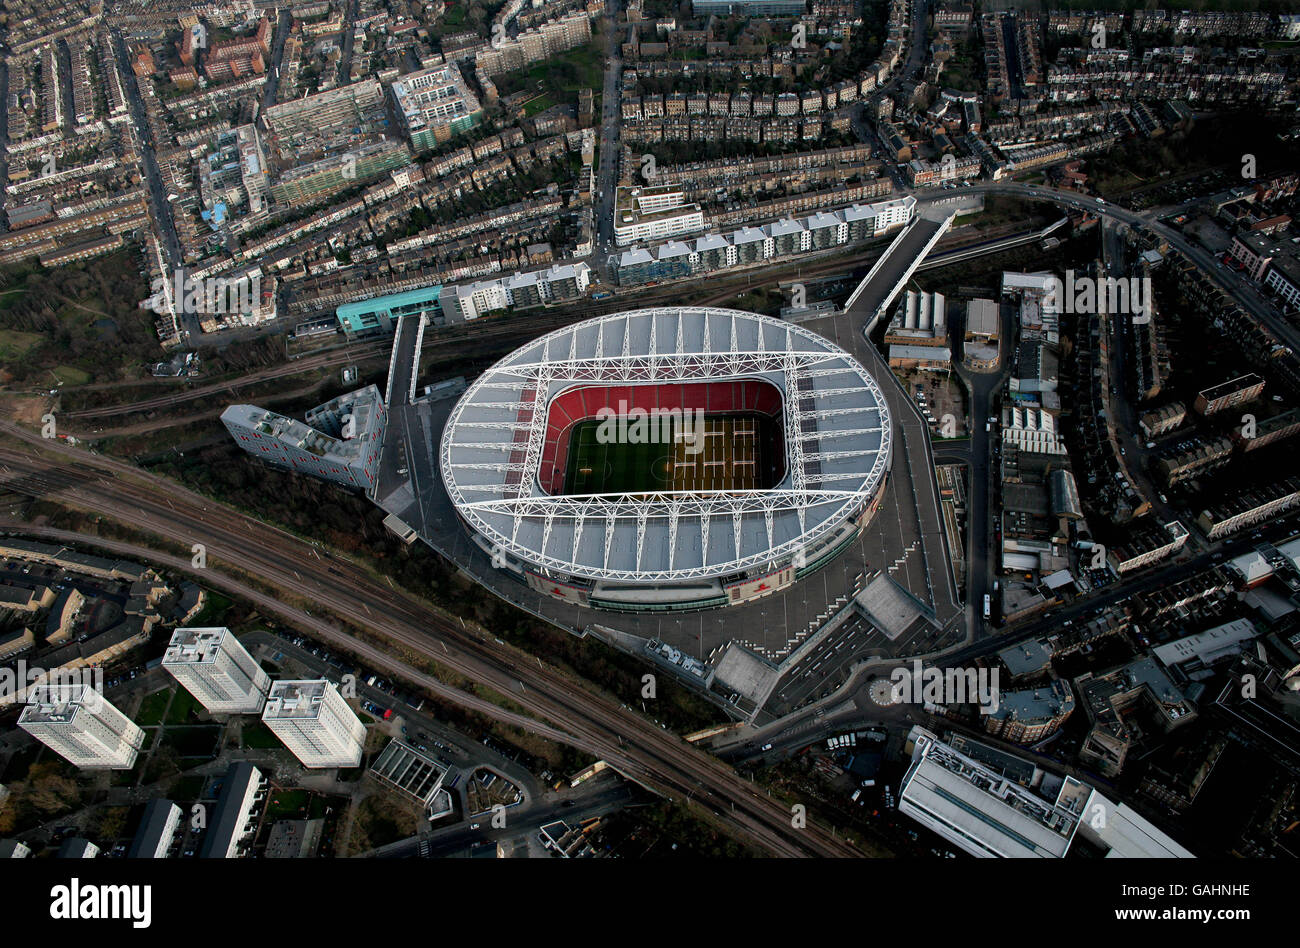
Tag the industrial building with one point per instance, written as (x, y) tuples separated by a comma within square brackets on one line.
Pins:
[(917, 336), (414, 774)]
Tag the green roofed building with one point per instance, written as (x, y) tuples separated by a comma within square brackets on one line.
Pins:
[(383, 312)]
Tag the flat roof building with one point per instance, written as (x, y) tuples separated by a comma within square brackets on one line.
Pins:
[(1193, 653), (984, 813), (80, 725), (981, 320), (417, 775), (434, 104), (345, 450), (315, 723), (977, 810), (383, 312), (653, 213), (215, 668), (1236, 391)]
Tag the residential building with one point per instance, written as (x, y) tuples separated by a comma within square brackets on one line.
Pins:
[(14, 849), (1192, 459), (1109, 700), (344, 450), (315, 723), (1162, 420), (235, 817), (1147, 545), (158, 830), (1229, 394), (534, 288), (216, 668), (434, 104), (654, 213), (1029, 715), (1240, 510), (80, 725), (77, 848)]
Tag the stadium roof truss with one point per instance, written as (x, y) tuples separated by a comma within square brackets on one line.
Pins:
[(838, 439)]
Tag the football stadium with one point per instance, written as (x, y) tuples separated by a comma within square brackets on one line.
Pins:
[(668, 459)]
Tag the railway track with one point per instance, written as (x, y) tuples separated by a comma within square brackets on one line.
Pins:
[(631, 744)]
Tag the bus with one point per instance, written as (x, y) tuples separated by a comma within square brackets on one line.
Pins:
[(988, 606)]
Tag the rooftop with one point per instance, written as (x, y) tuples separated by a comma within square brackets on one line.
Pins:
[(295, 699), (838, 442)]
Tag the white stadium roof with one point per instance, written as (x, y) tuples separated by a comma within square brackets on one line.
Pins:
[(837, 437)]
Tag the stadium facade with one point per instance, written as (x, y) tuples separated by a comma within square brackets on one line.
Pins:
[(749, 452)]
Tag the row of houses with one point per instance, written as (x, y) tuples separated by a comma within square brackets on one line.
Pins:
[(751, 245)]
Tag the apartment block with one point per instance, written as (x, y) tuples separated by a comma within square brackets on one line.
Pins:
[(215, 668), (158, 830), (80, 725), (343, 449), (434, 104), (1147, 545), (235, 818), (653, 213), (315, 723)]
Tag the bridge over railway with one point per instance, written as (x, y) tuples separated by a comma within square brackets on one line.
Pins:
[(886, 279)]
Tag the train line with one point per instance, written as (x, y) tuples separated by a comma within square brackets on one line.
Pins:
[(634, 746)]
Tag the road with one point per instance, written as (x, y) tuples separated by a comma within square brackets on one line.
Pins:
[(631, 744), (349, 41), (984, 466), (161, 209), (609, 141), (597, 797), (271, 88)]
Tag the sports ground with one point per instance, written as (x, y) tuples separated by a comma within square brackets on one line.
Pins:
[(737, 454)]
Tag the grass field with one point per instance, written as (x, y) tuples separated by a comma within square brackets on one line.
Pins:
[(15, 344), (735, 455)]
